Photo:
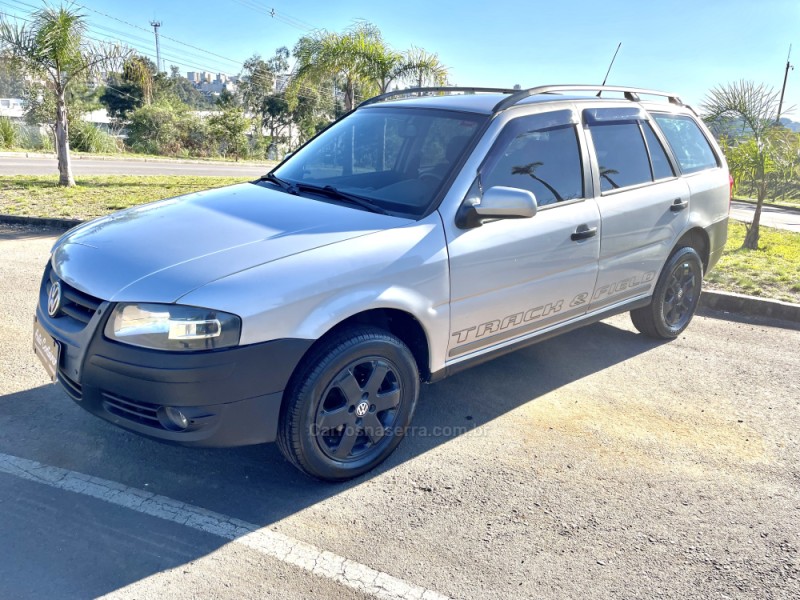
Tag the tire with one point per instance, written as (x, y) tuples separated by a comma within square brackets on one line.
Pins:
[(348, 404), (675, 297)]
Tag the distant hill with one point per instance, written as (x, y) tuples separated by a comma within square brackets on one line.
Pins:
[(789, 124)]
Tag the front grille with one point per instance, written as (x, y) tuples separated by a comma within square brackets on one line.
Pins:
[(139, 412), (74, 303)]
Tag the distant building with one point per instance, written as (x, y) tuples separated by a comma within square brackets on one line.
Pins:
[(212, 84), (13, 108)]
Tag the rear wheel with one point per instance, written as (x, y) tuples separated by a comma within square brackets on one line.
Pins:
[(348, 406), (675, 297)]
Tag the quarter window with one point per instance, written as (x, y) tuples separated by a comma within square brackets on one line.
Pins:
[(689, 145), (534, 154), (661, 166)]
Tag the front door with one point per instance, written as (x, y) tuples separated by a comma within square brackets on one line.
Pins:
[(511, 278)]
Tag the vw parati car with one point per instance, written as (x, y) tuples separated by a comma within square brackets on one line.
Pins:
[(422, 233)]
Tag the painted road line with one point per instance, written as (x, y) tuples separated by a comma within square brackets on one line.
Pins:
[(276, 545)]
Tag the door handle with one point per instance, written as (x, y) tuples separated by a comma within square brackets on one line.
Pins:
[(583, 232), (678, 205)]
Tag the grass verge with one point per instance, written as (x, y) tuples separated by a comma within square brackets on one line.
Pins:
[(94, 196), (772, 271)]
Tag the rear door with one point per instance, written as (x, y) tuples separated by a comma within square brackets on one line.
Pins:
[(643, 205)]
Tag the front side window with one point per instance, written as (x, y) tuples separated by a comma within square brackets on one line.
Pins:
[(538, 153), (689, 145), (397, 158)]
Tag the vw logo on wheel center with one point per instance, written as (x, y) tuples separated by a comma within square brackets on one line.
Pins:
[(54, 299), (362, 409)]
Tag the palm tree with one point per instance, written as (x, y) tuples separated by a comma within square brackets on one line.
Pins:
[(346, 57), (423, 67), (386, 66), (54, 47), (140, 70), (756, 107)]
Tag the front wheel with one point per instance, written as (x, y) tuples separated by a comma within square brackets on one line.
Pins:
[(675, 297), (349, 404)]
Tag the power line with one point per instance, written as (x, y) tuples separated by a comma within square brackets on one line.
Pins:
[(166, 37), (172, 59), (276, 15)]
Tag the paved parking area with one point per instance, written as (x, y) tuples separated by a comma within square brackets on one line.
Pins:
[(599, 464)]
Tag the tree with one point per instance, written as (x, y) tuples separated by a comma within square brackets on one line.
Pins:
[(54, 47), (345, 57), (424, 67), (269, 107), (11, 86), (185, 91), (755, 107), (229, 128)]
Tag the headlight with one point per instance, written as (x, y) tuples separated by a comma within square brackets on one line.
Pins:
[(173, 327)]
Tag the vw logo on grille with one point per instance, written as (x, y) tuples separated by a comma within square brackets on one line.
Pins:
[(54, 299), (362, 409)]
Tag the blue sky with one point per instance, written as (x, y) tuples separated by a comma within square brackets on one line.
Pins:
[(680, 46)]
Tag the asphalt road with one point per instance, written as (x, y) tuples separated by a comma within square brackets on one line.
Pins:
[(48, 166), (599, 464), (741, 211), (770, 216)]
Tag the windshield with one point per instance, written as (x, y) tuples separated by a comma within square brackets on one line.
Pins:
[(398, 158)]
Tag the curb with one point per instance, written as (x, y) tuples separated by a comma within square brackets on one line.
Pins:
[(134, 158), (728, 302), (753, 203), (61, 224), (750, 305)]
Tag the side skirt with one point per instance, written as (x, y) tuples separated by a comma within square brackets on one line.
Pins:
[(491, 354)]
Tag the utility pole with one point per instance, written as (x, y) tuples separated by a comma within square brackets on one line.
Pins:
[(783, 89), (155, 25)]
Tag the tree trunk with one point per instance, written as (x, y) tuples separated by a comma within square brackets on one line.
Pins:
[(751, 239), (65, 177), (349, 93)]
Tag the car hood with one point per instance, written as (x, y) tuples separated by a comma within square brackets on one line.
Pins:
[(161, 251)]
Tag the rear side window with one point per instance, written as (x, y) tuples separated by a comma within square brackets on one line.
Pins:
[(689, 145), (621, 155), (538, 153)]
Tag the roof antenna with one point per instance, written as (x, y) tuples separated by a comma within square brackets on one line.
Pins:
[(609, 68), (783, 89)]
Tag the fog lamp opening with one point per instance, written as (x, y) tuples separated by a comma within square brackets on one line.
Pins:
[(172, 419)]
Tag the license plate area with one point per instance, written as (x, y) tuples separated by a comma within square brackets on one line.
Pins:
[(47, 349)]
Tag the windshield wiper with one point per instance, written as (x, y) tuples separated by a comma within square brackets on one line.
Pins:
[(332, 192), (281, 183)]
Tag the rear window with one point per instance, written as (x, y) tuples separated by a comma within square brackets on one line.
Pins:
[(689, 145)]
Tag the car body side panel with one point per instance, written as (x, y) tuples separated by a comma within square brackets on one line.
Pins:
[(306, 295), (639, 231)]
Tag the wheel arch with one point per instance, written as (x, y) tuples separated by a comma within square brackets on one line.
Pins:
[(697, 238), (399, 323)]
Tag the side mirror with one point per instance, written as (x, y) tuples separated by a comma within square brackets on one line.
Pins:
[(497, 203)]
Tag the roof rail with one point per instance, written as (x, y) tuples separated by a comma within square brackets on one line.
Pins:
[(630, 93), (429, 90)]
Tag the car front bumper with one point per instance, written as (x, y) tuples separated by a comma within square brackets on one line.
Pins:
[(229, 397)]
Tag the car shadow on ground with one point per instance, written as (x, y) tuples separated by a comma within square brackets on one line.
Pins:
[(254, 483)]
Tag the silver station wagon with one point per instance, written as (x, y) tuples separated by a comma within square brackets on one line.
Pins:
[(424, 232)]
